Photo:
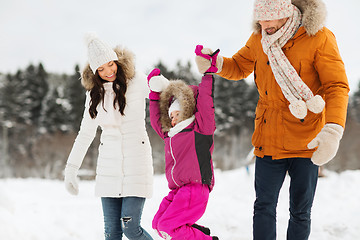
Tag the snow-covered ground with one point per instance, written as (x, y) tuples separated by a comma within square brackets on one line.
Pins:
[(36, 209)]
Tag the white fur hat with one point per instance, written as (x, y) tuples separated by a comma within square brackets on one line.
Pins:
[(175, 106), (99, 52), (272, 9)]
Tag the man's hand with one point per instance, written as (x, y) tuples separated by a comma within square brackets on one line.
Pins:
[(207, 61), (327, 142)]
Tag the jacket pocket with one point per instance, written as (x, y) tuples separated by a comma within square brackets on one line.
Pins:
[(299, 132), (259, 119), (110, 159)]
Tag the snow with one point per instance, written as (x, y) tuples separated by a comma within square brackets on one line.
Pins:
[(38, 209)]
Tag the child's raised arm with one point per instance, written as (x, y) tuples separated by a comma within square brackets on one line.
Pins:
[(205, 114), (210, 63), (157, 83)]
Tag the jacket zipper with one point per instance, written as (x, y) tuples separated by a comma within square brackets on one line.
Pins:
[(172, 169)]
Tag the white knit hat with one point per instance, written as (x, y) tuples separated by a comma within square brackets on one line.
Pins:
[(272, 9), (99, 52), (175, 106)]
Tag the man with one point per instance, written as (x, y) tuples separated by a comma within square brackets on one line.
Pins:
[(301, 112)]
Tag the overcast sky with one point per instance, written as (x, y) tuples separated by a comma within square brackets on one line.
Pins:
[(52, 31)]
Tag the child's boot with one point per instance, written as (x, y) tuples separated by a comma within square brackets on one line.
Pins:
[(205, 230)]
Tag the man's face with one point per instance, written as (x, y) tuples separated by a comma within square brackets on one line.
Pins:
[(272, 26)]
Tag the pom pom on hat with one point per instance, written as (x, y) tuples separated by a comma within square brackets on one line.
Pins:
[(99, 52), (89, 37), (272, 9)]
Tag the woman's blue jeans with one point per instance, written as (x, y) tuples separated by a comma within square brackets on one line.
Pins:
[(123, 215), (269, 177)]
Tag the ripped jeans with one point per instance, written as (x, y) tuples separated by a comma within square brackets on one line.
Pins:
[(123, 216)]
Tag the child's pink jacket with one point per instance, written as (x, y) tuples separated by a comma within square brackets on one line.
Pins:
[(188, 154)]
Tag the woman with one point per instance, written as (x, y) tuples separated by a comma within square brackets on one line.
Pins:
[(115, 101)]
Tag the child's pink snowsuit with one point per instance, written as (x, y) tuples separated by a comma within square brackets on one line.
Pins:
[(189, 168), (180, 209)]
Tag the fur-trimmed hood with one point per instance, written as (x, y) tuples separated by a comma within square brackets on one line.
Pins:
[(186, 96), (125, 59), (313, 15)]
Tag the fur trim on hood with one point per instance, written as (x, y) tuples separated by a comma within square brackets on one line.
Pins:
[(126, 61), (185, 95), (313, 16)]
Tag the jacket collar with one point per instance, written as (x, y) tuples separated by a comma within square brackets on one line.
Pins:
[(181, 126)]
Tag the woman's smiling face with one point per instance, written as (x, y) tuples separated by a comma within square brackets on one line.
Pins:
[(108, 71)]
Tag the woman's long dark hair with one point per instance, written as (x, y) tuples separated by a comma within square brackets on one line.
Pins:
[(97, 93)]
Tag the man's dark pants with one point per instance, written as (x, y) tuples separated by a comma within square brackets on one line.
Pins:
[(269, 177)]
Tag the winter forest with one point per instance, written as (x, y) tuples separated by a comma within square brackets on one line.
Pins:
[(40, 114)]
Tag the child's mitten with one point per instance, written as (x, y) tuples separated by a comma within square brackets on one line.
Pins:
[(208, 61), (157, 83)]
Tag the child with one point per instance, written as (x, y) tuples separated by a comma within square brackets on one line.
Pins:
[(183, 116)]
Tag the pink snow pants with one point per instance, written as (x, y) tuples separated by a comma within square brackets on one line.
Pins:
[(179, 210)]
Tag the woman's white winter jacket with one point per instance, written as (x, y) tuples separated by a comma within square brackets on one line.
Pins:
[(124, 165)]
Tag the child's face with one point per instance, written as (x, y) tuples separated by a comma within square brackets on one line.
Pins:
[(108, 71), (174, 116)]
